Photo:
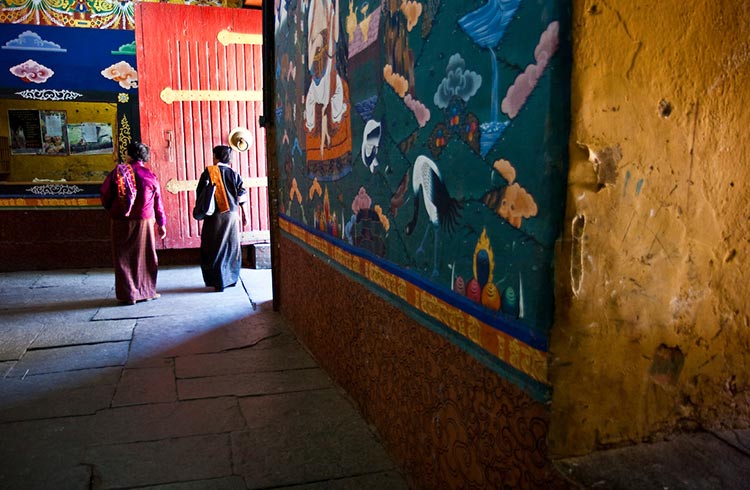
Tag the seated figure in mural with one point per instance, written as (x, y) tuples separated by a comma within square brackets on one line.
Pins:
[(326, 108), (132, 195)]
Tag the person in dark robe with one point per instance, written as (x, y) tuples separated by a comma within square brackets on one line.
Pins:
[(131, 194), (221, 255)]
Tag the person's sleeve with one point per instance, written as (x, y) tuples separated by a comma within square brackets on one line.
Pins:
[(241, 191), (105, 192), (161, 216), (202, 182)]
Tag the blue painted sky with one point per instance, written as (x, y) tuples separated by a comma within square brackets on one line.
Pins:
[(76, 55)]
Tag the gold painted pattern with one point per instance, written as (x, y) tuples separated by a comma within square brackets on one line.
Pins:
[(20, 202), (123, 138), (226, 37), (518, 354), (169, 95), (174, 186)]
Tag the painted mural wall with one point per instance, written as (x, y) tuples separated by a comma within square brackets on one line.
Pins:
[(422, 146), (65, 66), (68, 97), (655, 337)]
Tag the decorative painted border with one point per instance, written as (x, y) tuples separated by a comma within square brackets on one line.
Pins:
[(523, 364), (24, 202), (20, 195)]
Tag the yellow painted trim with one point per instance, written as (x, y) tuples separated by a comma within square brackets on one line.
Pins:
[(226, 37), (174, 186), (507, 348), (169, 95), (24, 202)]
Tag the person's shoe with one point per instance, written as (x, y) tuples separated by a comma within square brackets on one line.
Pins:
[(156, 296)]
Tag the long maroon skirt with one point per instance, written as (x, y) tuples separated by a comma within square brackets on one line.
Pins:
[(134, 257)]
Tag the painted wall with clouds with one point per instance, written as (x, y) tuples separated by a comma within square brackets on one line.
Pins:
[(428, 141)]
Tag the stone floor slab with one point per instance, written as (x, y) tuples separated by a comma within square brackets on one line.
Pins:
[(44, 454), (389, 480), (16, 337), (699, 461), (84, 333), (48, 474), (189, 336), (271, 456), (253, 384), (18, 280), (56, 395), (20, 402), (65, 425), (312, 436), (145, 385), (160, 462), (304, 407), (228, 483), (6, 367), (739, 439), (61, 278), (167, 420), (248, 360), (73, 358)]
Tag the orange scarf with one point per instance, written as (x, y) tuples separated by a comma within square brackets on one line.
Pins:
[(222, 202)]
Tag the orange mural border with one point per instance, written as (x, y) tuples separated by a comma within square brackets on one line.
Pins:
[(512, 351)]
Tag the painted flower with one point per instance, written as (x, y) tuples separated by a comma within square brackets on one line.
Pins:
[(31, 71)]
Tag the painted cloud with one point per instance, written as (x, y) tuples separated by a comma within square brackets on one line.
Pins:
[(399, 84), (31, 41), (421, 112), (526, 81), (31, 71), (412, 11), (458, 82), (126, 49), (122, 73)]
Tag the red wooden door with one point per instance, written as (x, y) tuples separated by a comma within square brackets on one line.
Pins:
[(200, 77)]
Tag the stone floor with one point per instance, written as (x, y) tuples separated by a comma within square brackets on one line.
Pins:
[(196, 390), (693, 461)]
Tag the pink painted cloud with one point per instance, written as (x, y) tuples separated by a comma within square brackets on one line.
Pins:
[(525, 83), (31, 71), (421, 112)]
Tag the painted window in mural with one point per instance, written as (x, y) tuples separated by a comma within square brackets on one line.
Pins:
[(432, 137)]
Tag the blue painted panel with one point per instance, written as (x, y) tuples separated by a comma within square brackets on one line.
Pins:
[(76, 56)]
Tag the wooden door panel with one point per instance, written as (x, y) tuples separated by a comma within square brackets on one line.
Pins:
[(200, 71)]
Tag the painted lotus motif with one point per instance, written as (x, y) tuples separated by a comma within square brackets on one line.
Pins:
[(32, 72)]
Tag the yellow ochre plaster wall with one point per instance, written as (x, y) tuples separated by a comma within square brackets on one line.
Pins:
[(652, 332)]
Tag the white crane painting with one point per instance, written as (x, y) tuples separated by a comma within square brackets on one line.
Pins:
[(442, 209)]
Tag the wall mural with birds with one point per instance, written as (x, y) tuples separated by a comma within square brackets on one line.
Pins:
[(451, 182)]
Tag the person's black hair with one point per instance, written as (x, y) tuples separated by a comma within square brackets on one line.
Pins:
[(223, 153), (138, 151)]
